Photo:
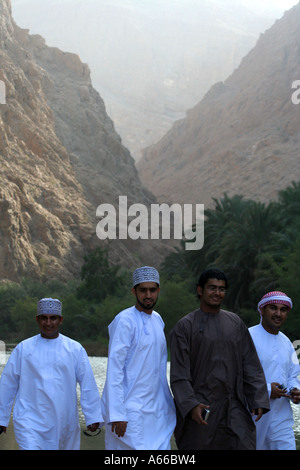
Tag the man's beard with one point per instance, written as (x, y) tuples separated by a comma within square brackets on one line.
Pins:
[(146, 307)]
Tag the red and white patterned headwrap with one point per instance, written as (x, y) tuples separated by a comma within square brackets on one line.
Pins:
[(275, 297)]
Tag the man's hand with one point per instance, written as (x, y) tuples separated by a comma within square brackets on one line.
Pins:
[(295, 395), (277, 392), (196, 413), (93, 427), (119, 427), (259, 412)]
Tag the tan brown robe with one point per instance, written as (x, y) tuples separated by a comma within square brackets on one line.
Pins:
[(214, 362)]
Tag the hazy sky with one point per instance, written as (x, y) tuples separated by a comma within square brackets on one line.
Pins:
[(286, 4)]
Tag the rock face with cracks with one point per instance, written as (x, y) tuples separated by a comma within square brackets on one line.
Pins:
[(60, 158)]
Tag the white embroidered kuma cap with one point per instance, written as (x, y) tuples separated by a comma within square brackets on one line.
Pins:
[(145, 274), (49, 306)]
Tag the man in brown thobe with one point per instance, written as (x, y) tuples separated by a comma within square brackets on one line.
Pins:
[(214, 366)]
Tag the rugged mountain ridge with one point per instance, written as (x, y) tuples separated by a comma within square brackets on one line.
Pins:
[(60, 158), (243, 137), (150, 60)]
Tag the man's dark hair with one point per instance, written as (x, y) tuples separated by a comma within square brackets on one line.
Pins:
[(212, 273)]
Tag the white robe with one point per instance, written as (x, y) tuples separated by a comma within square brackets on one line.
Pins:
[(42, 375), (277, 356), (136, 388)]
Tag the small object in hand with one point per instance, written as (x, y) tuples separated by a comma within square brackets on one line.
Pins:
[(282, 387), (205, 414)]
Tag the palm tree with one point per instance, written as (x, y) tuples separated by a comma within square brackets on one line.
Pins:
[(227, 210), (244, 245), (239, 234), (249, 241)]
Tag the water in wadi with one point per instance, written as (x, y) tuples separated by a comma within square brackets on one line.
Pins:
[(7, 441)]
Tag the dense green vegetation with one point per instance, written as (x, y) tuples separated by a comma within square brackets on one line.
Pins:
[(258, 247), (256, 244)]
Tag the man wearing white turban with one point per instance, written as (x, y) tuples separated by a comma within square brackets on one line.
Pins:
[(41, 376), (137, 405), (281, 368)]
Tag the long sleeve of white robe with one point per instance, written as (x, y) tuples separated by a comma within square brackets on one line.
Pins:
[(280, 364), (41, 376), (136, 388)]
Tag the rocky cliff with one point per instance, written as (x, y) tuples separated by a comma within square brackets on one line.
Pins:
[(60, 158), (150, 60), (244, 136)]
